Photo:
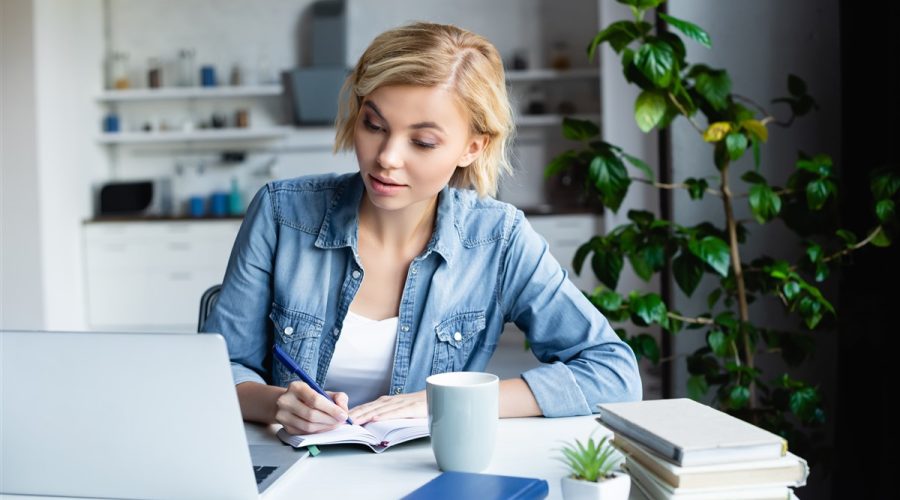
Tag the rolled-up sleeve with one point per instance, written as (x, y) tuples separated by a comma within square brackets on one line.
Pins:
[(583, 360), (241, 311)]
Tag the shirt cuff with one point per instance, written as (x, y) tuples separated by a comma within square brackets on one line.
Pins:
[(242, 374), (556, 391)]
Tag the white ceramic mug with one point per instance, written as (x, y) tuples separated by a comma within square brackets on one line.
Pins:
[(463, 410)]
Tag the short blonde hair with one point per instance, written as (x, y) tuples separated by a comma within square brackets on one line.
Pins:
[(435, 55)]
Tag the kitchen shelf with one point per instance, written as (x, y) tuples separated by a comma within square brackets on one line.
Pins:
[(173, 93), (530, 75), (552, 119), (231, 134)]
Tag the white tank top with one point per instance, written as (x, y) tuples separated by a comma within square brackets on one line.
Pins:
[(363, 358)]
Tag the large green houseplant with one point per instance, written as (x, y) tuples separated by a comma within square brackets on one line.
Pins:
[(726, 368)]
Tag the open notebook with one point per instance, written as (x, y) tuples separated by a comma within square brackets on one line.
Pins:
[(378, 436)]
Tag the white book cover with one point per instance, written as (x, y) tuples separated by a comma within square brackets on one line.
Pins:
[(687, 433)]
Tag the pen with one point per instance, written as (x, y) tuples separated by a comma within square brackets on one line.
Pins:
[(286, 360)]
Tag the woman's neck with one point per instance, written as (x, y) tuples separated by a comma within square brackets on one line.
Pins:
[(398, 229)]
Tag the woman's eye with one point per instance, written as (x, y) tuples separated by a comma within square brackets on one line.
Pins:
[(426, 145), (371, 126)]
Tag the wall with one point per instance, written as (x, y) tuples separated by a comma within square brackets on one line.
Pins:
[(760, 43), (21, 304)]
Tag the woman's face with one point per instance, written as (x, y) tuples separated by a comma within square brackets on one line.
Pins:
[(409, 141)]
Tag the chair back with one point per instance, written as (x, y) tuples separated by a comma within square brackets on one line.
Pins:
[(207, 302)]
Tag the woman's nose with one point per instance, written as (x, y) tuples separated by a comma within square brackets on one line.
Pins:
[(390, 155)]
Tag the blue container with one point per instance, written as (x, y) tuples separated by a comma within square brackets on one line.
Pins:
[(197, 206), (218, 204), (111, 123), (208, 76)]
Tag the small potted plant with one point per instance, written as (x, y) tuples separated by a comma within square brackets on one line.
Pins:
[(593, 471)]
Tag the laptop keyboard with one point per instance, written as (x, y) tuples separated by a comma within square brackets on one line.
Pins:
[(262, 472)]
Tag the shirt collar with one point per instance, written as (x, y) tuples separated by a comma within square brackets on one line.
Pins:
[(340, 227)]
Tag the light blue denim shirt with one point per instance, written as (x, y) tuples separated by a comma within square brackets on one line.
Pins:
[(295, 269)]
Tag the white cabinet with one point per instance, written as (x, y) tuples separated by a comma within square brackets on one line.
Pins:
[(149, 275)]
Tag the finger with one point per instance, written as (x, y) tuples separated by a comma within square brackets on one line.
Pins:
[(316, 401), (296, 425), (299, 405), (365, 412), (341, 399)]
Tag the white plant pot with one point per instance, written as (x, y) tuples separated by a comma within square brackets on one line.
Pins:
[(616, 488)]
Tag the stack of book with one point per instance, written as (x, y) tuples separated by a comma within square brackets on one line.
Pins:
[(682, 450)]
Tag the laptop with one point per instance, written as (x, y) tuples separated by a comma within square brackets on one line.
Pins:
[(126, 415)]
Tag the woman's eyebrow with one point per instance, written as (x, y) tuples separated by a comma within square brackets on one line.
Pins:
[(371, 105)]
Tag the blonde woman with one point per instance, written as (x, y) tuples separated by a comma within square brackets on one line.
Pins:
[(375, 280)]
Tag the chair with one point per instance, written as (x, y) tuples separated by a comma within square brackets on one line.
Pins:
[(207, 302)]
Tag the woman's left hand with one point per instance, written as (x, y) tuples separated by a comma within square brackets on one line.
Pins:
[(390, 407)]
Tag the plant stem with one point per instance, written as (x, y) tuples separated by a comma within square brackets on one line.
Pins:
[(857, 246), (685, 112), (738, 276), (661, 185), (698, 321)]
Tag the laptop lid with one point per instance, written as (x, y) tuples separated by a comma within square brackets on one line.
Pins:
[(121, 415)]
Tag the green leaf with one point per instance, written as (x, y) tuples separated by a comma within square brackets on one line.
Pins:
[(647, 309), (608, 300), (804, 402), (640, 165), (736, 143), (753, 178), (739, 397), (719, 343), (642, 218), (817, 193), (814, 252), (607, 265), (619, 34), (580, 255), (609, 176), (647, 260), (848, 237), (647, 347), (649, 109), (691, 30), (713, 297), (697, 387), (796, 86), (756, 128), (560, 163), (714, 86), (712, 251), (696, 187), (885, 210), (791, 289), (579, 130), (884, 184), (656, 60), (688, 271), (881, 239), (764, 203)]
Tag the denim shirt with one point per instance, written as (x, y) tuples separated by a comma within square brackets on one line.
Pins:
[(295, 269)]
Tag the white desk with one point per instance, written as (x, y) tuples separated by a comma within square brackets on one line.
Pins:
[(525, 447)]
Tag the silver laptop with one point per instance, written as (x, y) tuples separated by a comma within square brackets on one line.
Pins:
[(126, 415)]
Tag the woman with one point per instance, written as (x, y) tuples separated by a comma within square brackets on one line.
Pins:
[(375, 280)]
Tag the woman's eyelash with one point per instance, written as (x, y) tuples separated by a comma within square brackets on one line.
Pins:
[(427, 145), (371, 126)]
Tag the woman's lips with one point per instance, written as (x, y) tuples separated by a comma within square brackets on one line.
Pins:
[(386, 188)]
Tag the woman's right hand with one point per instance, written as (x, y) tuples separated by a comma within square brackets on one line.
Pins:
[(302, 410)]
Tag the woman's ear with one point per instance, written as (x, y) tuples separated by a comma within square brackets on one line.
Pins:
[(476, 146)]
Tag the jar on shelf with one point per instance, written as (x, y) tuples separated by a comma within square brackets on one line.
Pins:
[(118, 71), (186, 67), (154, 73), (559, 57)]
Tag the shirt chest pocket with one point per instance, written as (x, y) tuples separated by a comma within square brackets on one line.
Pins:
[(456, 338), (297, 333)]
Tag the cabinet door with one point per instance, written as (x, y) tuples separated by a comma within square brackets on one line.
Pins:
[(150, 275)]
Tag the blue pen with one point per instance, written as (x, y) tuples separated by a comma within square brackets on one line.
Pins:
[(286, 360)]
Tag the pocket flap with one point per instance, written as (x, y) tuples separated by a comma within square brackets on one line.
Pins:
[(459, 328), (294, 325)]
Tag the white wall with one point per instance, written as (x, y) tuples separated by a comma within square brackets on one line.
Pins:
[(21, 303)]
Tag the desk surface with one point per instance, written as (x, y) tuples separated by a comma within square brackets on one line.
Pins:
[(525, 447)]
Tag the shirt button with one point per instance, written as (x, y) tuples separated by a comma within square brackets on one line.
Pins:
[(398, 390), (356, 275), (405, 328), (289, 330), (335, 331), (414, 270), (457, 336)]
